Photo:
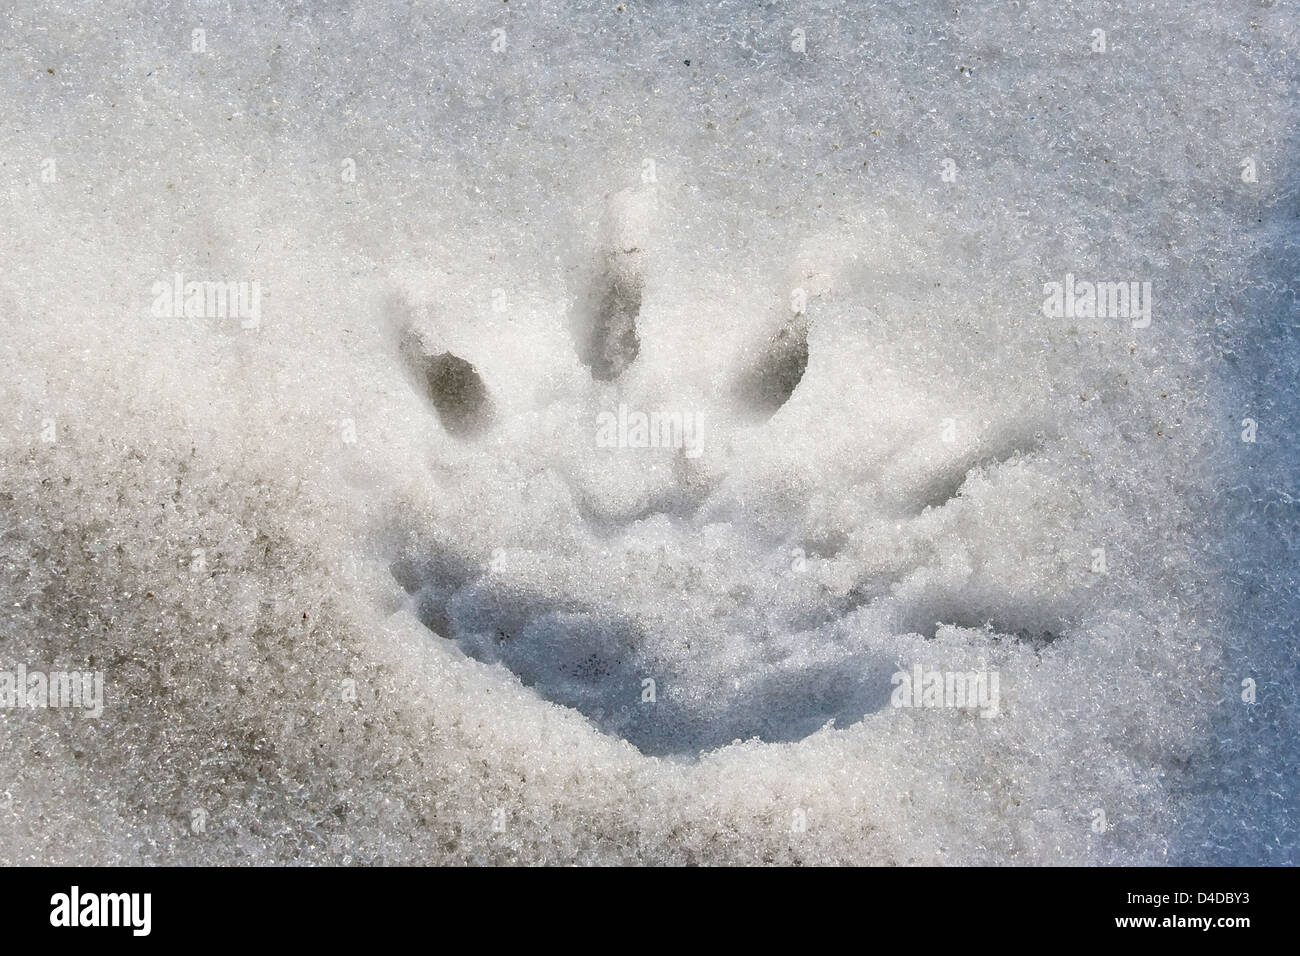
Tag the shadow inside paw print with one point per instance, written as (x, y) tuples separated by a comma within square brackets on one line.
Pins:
[(655, 691)]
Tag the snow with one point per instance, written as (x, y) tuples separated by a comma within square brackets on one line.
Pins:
[(371, 577)]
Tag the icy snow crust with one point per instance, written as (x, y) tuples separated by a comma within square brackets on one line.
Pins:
[(365, 586)]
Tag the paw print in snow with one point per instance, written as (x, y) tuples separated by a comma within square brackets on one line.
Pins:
[(788, 529)]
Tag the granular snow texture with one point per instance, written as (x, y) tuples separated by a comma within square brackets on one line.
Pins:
[(614, 405)]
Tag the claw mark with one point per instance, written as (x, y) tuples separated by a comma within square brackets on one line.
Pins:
[(453, 385), (772, 379), (944, 486), (605, 329), (610, 342)]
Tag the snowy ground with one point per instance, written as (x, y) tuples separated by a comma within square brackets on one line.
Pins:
[(375, 570)]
